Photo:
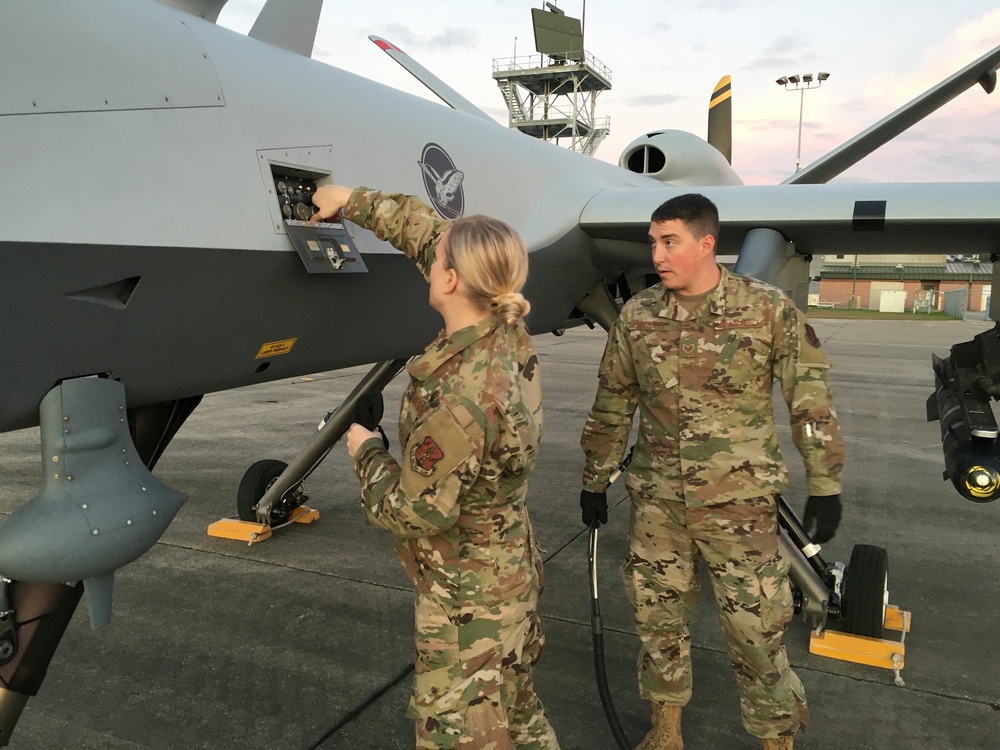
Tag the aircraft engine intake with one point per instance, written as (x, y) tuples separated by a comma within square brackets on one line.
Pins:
[(964, 384)]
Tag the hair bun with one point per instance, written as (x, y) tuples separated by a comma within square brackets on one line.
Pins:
[(510, 306)]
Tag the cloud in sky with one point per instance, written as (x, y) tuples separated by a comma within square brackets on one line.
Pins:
[(784, 45), (652, 100), (721, 5), (446, 39)]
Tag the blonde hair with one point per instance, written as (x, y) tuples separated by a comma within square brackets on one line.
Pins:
[(492, 261)]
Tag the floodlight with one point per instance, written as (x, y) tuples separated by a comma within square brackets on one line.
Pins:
[(554, 9), (807, 80)]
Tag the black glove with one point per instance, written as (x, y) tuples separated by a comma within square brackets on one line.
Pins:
[(368, 410), (595, 507), (822, 517), (368, 413)]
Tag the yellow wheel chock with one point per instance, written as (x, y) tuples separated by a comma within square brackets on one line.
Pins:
[(251, 533), (874, 652)]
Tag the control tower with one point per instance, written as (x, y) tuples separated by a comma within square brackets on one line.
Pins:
[(553, 94)]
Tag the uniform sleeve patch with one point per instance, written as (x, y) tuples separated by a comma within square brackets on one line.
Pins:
[(438, 446), (424, 457), (810, 353), (811, 336)]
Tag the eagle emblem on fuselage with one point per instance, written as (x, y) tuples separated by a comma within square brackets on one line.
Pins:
[(443, 181)]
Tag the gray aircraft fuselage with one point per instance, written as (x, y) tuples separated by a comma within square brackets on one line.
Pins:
[(139, 227)]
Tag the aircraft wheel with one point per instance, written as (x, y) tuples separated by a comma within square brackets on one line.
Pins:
[(254, 484), (866, 590)]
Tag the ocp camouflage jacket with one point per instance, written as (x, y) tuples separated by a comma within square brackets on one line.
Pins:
[(469, 429), (703, 387)]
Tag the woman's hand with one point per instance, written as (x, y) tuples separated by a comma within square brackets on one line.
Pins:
[(356, 435), (329, 199)]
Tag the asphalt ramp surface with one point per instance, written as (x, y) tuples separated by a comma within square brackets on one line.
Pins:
[(304, 641)]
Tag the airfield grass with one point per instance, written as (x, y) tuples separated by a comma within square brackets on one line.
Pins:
[(832, 312)]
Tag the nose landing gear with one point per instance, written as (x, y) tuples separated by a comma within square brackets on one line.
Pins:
[(271, 494), (289, 508)]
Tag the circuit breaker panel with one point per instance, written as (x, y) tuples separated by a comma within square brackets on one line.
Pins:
[(292, 177)]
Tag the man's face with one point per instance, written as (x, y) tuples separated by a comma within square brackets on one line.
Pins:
[(681, 261)]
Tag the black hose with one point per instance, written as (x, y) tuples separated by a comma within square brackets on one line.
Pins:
[(597, 629), (358, 711)]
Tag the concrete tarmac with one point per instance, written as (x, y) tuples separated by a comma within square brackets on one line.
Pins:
[(304, 641)]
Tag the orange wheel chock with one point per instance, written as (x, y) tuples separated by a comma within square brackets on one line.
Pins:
[(874, 652), (251, 533)]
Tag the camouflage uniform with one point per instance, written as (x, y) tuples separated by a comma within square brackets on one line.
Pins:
[(702, 479), (469, 430)]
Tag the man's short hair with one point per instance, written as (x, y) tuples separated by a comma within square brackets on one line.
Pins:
[(697, 213)]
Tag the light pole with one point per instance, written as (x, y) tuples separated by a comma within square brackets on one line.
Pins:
[(800, 83), (900, 267), (854, 284)]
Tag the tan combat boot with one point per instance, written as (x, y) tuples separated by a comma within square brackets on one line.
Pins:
[(666, 731), (778, 743)]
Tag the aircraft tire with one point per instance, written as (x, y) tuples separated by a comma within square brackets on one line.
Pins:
[(254, 484), (866, 590)]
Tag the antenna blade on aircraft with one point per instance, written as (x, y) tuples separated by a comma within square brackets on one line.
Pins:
[(291, 26), (441, 89), (720, 118), (207, 9), (850, 153), (899, 219)]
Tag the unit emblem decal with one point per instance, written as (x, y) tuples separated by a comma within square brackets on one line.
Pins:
[(442, 181)]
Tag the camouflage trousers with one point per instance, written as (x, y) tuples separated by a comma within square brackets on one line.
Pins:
[(473, 686), (738, 540)]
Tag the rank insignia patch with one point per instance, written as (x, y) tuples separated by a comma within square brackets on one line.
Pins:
[(811, 336), (424, 457)]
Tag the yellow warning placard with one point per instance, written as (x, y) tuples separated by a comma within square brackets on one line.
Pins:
[(274, 348)]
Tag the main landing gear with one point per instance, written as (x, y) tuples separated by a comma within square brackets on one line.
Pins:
[(271, 494)]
